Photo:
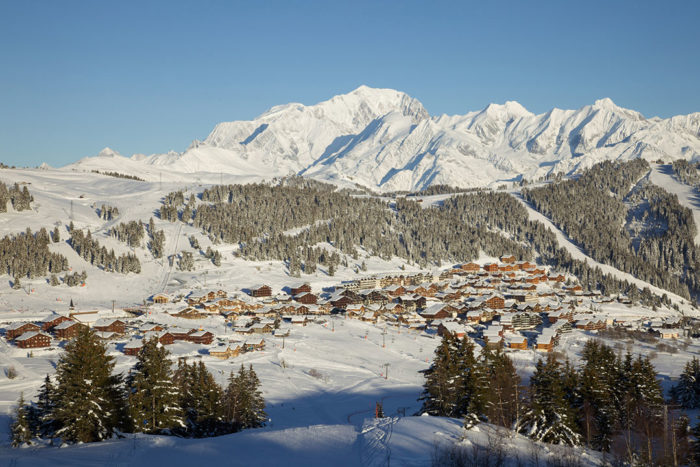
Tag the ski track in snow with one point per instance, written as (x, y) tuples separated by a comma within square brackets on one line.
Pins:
[(688, 196), (577, 253)]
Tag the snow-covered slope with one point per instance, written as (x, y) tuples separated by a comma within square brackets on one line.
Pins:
[(385, 140)]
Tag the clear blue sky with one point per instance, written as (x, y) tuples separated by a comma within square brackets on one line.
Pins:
[(148, 77)]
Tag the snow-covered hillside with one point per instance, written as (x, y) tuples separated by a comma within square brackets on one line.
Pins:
[(385, 140)]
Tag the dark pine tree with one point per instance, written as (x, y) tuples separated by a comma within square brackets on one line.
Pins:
[(88, 405), (687, 391), (549, 417), (438, 396), (152, 398), (21, 427)]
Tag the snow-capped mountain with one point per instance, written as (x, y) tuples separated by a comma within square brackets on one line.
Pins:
[(385, 140)]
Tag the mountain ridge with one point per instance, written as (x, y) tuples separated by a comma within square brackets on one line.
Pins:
[(385, 140)]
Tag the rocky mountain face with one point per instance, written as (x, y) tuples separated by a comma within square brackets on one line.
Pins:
[(385, 140)]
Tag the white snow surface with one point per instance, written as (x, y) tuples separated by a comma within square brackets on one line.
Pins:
[(316, 418), (385, 140)]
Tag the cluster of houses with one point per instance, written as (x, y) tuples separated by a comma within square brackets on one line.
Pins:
[(512, 304), (32, 335)]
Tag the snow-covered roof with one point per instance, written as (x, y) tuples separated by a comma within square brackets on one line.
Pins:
[(30, 334)]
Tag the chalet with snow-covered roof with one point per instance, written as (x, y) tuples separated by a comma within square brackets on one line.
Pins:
[(262, 328), (200, 337), (306, 297), (261, 290), (254, 344), (395, 308), (231, 351), (470, 267), (109, 325), (454, 329), (161, 298), (33, 340), (491, 267), (395, 290), (495, 302), (545, 342), (516, 341), (51, 321), (133, 347), (150, 327), (300, 288), (493, 336), (436, 311), (68, 329), (17, 329), (510, 259)]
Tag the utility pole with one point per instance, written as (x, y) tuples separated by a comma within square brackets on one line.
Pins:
[(386, 370), (113, 306), (384, 338)]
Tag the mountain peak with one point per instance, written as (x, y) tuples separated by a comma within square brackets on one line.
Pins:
[(108, 152), (605, 103), (509, 109)]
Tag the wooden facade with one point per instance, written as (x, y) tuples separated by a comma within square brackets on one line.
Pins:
[(20, 328), (110, 325), (261, 291), (68, 329), (33, 340)]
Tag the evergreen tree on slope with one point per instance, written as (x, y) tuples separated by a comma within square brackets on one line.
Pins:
[(549, 417), (152, 398), (21, 429), (89, 405)]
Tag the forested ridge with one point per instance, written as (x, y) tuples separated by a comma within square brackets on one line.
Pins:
[(593, 211), (260, 217)]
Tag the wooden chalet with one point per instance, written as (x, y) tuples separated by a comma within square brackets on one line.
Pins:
[(452, 328), (494, 302), (470, 267), (261, 291), (52, 321), (68, 329), (133, 347), (109, 325), (200, 337), (546, 342), (161, 298), (190, 313), (299, 289), (33, 340), (254, 344), (375, 296), (306, 297), (491, 267), (150, 327), (516, 341), (262, 328), (590, 324), (227, 353), (395, 290), (510, 259), (17, 329)]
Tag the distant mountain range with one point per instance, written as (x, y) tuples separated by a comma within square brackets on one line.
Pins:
[(386, 140)]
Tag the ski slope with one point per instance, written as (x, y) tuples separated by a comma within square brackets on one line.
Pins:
[(688, 196), (577, 253)]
